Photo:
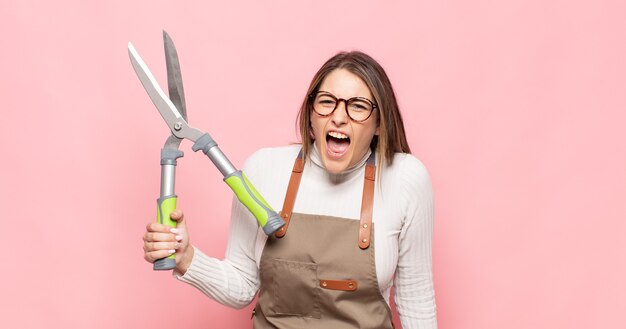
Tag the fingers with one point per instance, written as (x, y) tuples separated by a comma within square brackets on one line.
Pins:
[(156, 246), (158, 250), (161, 237), (154, 255), (156, 227)]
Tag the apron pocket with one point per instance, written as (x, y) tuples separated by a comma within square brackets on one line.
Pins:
[(295, 289)]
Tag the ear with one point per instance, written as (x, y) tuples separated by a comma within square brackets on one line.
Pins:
[(311, 134)]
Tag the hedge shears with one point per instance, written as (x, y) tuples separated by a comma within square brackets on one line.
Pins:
[(174, 112)]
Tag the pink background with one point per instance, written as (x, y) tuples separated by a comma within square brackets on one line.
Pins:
[(516, 108)]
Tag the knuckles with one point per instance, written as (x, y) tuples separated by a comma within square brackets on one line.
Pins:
[(149, 247), (156, 227), (159, 237)]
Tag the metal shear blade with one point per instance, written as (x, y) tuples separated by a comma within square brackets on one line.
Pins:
[(172, 116), (174, 76)]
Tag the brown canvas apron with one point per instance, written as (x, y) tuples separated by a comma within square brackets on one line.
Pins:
[(322, 274)]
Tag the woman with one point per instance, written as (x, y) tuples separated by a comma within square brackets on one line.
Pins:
[(320, 270)]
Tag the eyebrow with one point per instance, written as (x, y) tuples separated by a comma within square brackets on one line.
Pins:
[(328, 92)]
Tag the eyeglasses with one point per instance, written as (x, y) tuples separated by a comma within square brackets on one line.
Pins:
[(359, 109)]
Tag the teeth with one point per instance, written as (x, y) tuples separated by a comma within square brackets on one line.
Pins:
[(338, 135)]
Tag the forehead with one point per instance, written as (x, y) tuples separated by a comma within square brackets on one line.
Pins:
[(345, 84)]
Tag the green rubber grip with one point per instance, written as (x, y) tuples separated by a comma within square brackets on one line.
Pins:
[(165, 206), (267, 218)]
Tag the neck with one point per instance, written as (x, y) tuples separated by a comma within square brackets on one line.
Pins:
[(352, 171)]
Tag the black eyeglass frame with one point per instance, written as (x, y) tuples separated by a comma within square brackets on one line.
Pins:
[(345, 101)]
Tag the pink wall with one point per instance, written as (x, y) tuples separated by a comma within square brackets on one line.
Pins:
[(516, 107)]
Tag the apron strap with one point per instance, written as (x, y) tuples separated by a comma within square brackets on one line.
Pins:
[(292, 191), (367, 202)]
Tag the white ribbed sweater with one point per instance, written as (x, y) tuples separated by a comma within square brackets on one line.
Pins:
[(402, 214)]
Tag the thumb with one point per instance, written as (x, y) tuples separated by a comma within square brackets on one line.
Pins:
[(178, 216)]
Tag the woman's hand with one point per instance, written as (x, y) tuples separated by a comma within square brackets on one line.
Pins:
[(161, 241)]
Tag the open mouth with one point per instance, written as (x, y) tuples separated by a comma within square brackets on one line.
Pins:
[(337, 143)]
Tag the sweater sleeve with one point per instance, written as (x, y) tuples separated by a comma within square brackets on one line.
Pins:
[(233, 281), (414, 291)]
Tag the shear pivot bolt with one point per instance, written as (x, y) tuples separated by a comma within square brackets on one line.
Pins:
[(178, 126)]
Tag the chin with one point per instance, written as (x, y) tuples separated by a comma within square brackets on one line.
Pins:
[(334, 169), (335, 166)]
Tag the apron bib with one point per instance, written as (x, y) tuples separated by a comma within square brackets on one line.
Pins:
[(322, 274)]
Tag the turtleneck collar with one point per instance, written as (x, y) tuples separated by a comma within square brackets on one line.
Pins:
[(343, 176)]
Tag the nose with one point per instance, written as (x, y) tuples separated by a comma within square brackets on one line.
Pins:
[(340, 115)]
